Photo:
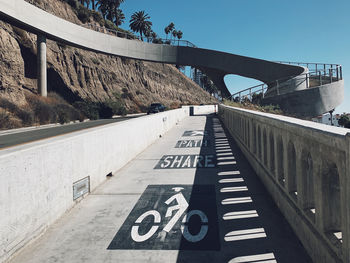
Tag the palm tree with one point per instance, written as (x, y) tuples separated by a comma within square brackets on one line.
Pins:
[(154, 35), (109, 8), (148, 33), (179, 36), (93, 4), (167, 31), (103, 7), (119, 17), (171, 26), (139, 22), (114, 7), (174, 33)]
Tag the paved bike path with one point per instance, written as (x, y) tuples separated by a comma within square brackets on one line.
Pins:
[(158, 208)]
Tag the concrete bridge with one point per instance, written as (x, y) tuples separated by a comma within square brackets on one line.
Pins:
[(290, 81), (239, 186)]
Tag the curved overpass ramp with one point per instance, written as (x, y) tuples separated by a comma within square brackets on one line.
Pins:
[(215, 64)]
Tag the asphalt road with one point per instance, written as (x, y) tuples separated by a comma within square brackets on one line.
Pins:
[(17, 138)]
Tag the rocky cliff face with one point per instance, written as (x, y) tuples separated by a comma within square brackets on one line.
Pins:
[(78, 74)]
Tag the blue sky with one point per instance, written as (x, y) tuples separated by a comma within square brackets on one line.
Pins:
[(277, 30)]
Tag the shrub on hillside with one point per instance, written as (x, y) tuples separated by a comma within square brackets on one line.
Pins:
[(88, 109), (44, 113), (66, 113), (6, 122), (72, 3), (83, 14), (27, 116), (98, 17), (8, 105), (4, 119), (109, 24)]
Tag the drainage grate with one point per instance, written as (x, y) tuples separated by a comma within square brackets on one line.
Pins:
[(81, 187)]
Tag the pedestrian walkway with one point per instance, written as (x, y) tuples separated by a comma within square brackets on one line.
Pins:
[(190, 197)]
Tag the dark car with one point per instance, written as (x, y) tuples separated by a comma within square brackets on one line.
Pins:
[(155, 107)]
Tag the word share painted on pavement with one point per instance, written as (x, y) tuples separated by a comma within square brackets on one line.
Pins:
[(192, 143), (195, 133), (171, 217), (186, 161)]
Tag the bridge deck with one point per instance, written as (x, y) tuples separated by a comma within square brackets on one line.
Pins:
[(159, 208)]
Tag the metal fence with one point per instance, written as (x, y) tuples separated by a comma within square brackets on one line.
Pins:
[(319, 74), (128, 35)]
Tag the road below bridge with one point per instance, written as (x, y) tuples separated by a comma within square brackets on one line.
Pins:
[(189, 197), (21, 136)]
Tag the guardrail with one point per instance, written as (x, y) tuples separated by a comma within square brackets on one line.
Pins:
[(127, 35), (305, 167), (319, 75)]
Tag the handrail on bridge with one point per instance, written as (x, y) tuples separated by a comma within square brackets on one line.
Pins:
[(124, 34), (323, 74)]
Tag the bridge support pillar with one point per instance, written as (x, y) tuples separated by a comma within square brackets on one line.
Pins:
[(41, 64)]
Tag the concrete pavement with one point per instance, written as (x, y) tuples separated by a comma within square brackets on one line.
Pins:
[(158, 208)]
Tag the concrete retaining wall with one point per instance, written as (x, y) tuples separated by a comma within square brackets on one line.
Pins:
[(36, 179), (306, 167)]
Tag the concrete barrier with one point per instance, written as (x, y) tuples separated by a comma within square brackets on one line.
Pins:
[(204, 109), (306, 168), (37, 178)]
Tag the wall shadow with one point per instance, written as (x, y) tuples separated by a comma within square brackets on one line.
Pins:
[(249, 226)]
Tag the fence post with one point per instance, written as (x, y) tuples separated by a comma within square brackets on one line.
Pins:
[(341, 73), (337, 72), (262, 91), (346, 212), (330, 74)]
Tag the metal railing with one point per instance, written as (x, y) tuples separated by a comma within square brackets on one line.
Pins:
[(320, 74), (128, 35)]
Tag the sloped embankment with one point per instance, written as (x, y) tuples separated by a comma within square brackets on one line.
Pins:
[(77, 74)]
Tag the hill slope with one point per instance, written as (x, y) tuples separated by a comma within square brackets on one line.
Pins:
[(77, 74)]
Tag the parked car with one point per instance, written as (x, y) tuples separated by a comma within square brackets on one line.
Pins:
[(155, 108)]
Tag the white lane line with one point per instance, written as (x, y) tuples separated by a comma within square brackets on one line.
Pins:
[(227, 163), (226, 158), (229, 173), (245, 234), (233, 189), (237, 200), (240, 215), (225, 154), (261, 258), (231, 180)]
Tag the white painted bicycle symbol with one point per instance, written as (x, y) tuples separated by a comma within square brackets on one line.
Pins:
[(181, 208)]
